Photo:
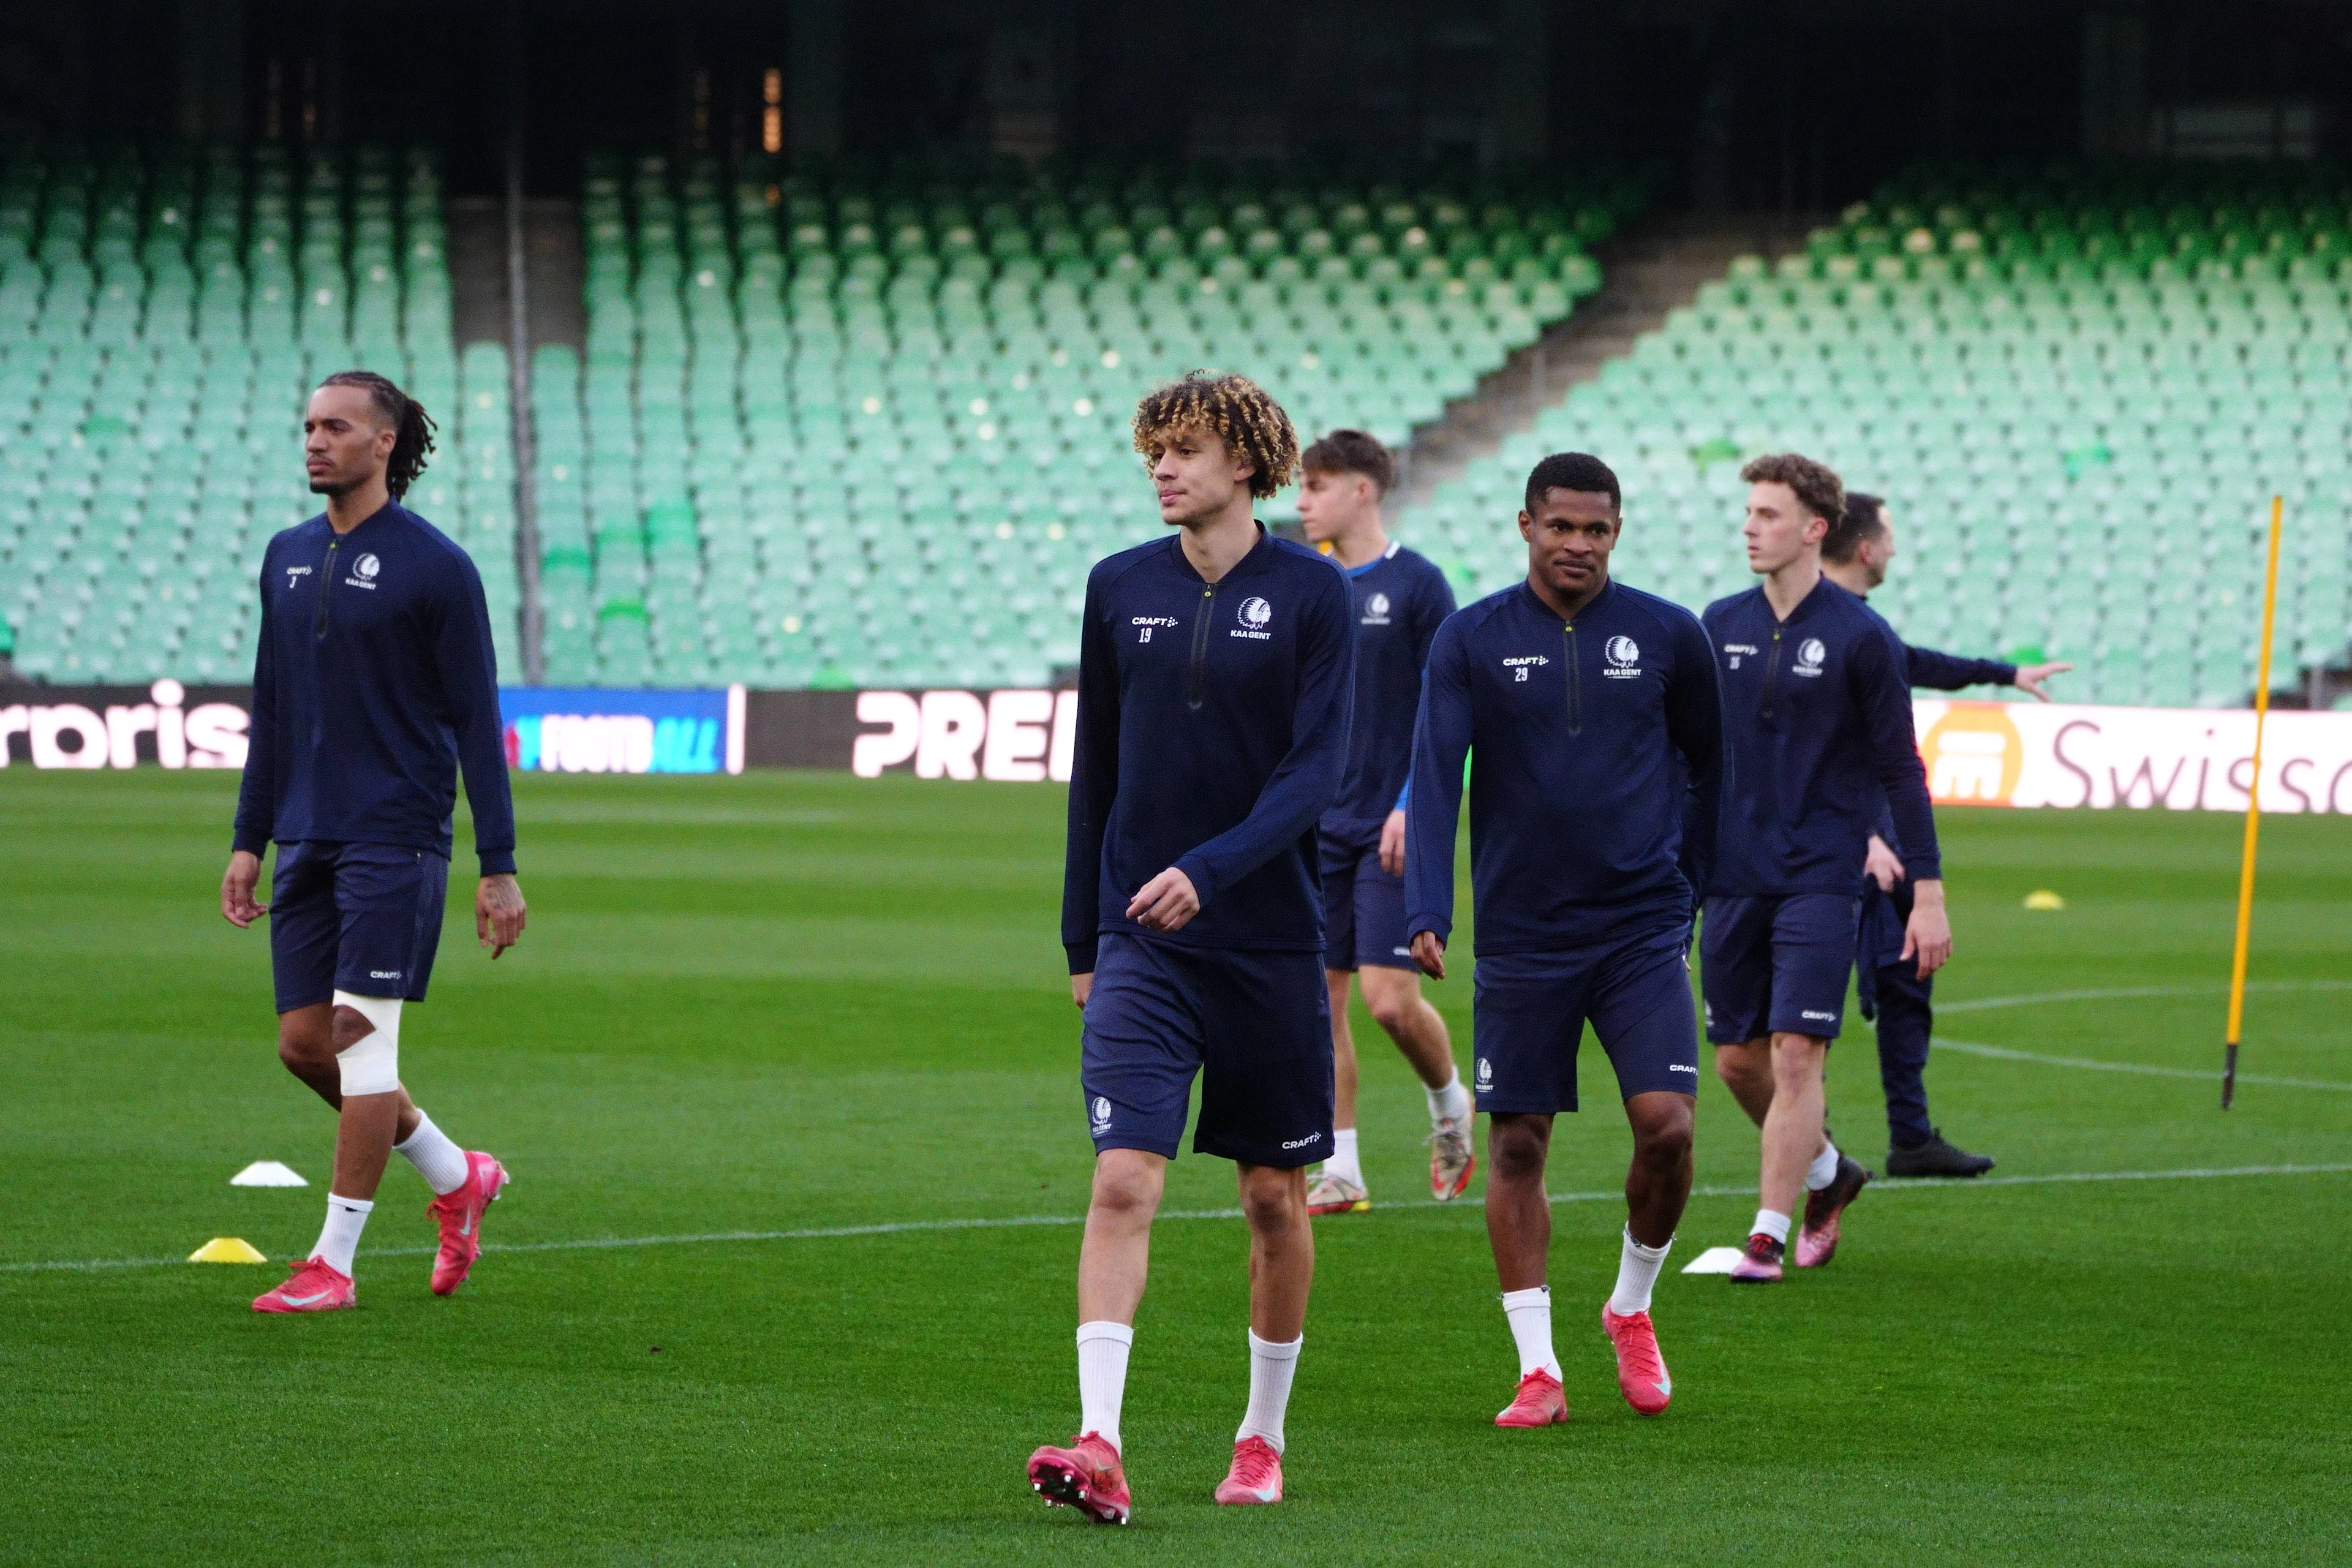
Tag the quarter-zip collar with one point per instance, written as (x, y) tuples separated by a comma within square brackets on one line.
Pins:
[(1535, 601), (1808, 606), (1251, 558)]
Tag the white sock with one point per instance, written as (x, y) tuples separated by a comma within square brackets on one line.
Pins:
[(1637, 1274), (1271, 1366), (1343, 1161), (346, 1217), (1529, 1314), (1775, 1226), (1823, 1170), (441, 1162), (1451, 1103), (1102, 1376)]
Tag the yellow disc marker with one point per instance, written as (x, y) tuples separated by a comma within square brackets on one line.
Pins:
[(2043, 899), (226, 1249)]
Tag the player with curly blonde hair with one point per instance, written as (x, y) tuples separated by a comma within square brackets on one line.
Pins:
[(1216, 671)]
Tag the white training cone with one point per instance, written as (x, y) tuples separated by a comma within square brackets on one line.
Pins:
[(267, 1173), (1714, 1260)]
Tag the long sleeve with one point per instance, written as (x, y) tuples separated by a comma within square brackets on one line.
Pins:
[(256, 795), (1883, 696), (1094, 785), (1950, 672), (1431, 606), (1441, 743), (467, 664), (1302, 784), (1694, 709)]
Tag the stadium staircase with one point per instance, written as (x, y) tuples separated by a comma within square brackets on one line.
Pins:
[(872, 429), (2078, 388)]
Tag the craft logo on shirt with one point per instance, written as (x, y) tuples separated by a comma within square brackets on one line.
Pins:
[(1147, 625), (1254, 614), (1624, 656), (1102, 1114), (364, 572), (1736, 649), (1376, 610), (294, 575), (1519, 665), (1809, 654)]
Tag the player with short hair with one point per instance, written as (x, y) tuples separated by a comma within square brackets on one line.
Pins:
[(1215, 672), (1855, 555), (373, 686), (1592, 710), (1817, 706), (1399, 598)]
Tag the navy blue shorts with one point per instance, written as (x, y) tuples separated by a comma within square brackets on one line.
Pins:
[(1530, 1011), (362, 918), (1772, 965), (1256, 1027), (1363, 906)]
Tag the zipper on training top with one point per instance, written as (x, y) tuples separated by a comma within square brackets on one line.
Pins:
[(1196, 681), (1575, 679), (326, 586), (1771, 672)]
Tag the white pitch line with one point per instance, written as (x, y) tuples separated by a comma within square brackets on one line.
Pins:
[(2204, 1075), (1982, 1003), (901, 1227)]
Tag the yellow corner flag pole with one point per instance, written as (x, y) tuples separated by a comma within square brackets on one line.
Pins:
[(2254, 815)]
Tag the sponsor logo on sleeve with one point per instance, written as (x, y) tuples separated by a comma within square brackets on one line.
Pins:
[(1256, 614), (1625, 656)]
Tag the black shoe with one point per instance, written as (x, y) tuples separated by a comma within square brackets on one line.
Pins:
[(1936, 1158)]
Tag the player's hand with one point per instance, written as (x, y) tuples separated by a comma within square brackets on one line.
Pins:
[(1081, 987), (498, 912), (1392, 844), (2030, 677), (1881, 866), (1164, 903), (1429, 952), (236, 888), (1928, 935)]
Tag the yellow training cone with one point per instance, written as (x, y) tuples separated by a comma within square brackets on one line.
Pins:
[(2043, 899), (226, 1249)]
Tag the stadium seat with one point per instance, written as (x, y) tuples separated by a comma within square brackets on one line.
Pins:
[(2079, 432)]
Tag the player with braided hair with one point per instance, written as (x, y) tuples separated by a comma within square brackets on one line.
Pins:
[(1217, 673), (375, 685)]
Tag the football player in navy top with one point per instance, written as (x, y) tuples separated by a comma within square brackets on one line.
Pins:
[(1590, 709), (375, 685), (1398, 599), (1817, 708), (1215, 672), (1894, 996)]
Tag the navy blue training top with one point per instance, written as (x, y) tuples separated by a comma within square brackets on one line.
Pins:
[(1818, 713), (1596, 765), (1400, 600), (1211, 732), (373, 685), (1942, 672)]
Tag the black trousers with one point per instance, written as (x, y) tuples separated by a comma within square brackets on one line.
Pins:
[(1903, 1006)]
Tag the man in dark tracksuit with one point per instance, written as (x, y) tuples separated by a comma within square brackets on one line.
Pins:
[(1591, 710), (373, 686), (1855, 556), (1215, 672), (1817, 711), (1400, 599)]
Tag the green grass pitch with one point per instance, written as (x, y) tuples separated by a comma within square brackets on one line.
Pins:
[(807, 1003)]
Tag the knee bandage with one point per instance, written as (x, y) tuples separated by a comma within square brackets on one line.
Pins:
[(372, 1066)]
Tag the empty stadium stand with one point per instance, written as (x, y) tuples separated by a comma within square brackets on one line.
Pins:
[(873, 430), (2079, 388), (163, 313)]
